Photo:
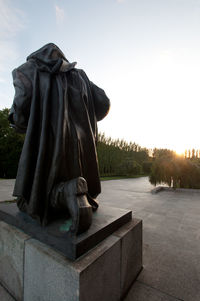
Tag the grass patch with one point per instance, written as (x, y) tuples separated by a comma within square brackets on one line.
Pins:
[(9, 201), (121, 177)]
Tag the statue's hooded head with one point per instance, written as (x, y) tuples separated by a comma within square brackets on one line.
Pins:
[(51, 59)]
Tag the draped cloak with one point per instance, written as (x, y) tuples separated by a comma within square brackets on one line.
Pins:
[(59, 111)]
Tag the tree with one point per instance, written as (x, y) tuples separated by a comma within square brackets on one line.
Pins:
[(120, 158), (10, 147), (176, 171)]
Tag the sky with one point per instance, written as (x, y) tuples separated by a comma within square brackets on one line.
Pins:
[(145, 54)]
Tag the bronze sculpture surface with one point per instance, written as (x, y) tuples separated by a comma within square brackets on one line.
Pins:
[(58, 107)]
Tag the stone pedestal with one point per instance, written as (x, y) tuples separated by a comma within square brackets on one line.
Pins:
[(106, 220), (34, 271), (12, 246)]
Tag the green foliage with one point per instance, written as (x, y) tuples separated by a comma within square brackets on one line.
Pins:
[(163, 153), (116, 157), (10, 147), (119, 158), (175, 171), (120, 177), (129, 168), (146, 167)]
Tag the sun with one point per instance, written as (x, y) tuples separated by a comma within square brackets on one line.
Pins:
[(179, 154), (180, 151)]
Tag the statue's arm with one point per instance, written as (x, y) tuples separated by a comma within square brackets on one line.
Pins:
[(20, 110), (101, 102)]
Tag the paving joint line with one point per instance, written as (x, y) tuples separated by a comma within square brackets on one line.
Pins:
[(160, 290)]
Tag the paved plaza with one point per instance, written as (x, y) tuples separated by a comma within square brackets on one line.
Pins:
[(171, 237)]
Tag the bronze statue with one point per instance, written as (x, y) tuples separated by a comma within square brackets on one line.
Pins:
[(58, 107)]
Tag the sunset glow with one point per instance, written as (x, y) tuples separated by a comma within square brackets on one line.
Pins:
[(144, 54)]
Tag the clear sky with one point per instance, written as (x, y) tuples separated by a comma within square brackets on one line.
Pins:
[(145, 54)]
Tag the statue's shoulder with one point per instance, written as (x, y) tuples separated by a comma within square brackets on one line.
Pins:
[(27, 69), (83, 75), (80, 71)]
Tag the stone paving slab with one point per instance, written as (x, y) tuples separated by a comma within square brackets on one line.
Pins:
[(171, 236), (6, 190), (142, 292)]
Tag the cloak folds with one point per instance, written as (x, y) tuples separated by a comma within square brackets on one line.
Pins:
[(58, 107)]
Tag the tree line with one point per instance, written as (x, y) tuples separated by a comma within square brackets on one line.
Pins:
[(192, 153), (10, 147), (175, 171), (120, 158), (116, 157)]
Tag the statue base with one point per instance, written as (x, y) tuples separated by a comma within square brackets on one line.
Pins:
[(106, 220), (31, 270)]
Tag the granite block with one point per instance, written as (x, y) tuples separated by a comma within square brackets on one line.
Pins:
[(100, 280), (12, 259), (4, 295), (131, 253), (49, 275)]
